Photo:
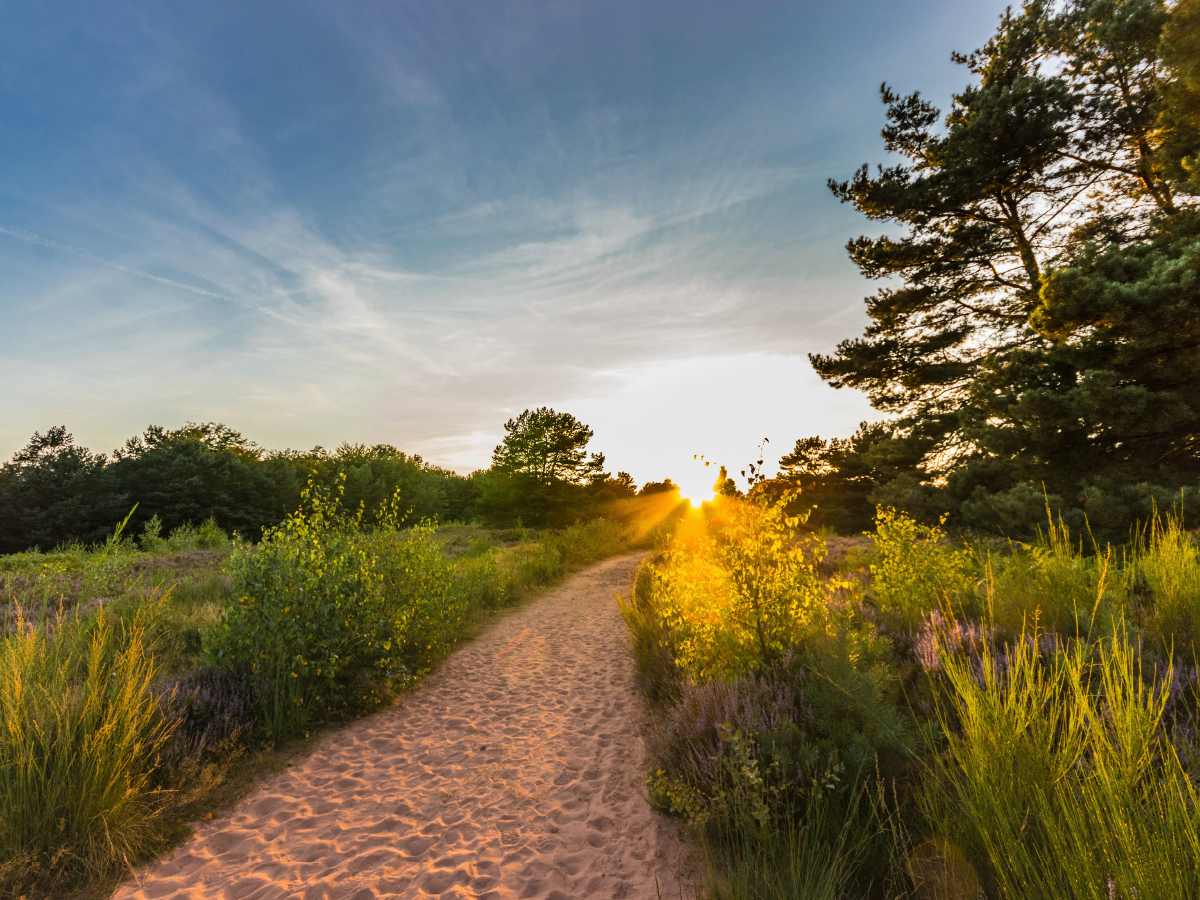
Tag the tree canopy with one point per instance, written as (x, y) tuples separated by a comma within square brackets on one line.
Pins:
[(54, 491), (549, 446), (1040, 325)]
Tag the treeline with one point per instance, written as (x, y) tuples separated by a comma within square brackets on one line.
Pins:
[(55, 492), (1038, 340)]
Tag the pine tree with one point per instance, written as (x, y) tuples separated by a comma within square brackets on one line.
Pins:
[(1045, 331)]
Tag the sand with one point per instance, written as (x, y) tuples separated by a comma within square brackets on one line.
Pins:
[(514, 771)]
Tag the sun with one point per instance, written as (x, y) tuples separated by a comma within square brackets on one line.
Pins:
[(697, 486), (698, 498)]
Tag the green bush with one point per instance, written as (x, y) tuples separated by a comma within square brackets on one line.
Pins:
[(184, 538), (765, 679), (319, 604), (422, 613), (917, 570), (79, 730)]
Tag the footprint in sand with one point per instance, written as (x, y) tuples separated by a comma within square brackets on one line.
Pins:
[(514, 772)]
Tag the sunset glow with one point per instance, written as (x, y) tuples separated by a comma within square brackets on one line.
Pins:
[(696, 482)]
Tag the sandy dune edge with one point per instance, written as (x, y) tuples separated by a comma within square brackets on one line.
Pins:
[(514, 772)]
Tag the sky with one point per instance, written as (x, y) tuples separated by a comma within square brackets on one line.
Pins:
[(406, 222)]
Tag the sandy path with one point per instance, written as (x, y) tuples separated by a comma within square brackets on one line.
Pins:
[(514, 772)]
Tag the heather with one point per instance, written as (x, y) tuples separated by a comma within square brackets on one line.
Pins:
[(923, 716)]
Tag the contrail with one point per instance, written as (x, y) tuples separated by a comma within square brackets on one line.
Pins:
[(32, 238)]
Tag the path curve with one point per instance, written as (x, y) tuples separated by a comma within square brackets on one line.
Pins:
[(513, 772)]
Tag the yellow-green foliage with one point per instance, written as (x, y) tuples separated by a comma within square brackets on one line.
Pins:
[(319, 603), (79, 728), (735, 593), (1169, 562), (918, 570), (586, 542), (327, 610), (490, 576), (1059, 781), (1054, 585)]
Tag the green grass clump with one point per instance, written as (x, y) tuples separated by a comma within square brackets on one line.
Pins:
[(1054, 585), (1169, 563), (1059, 780), (79, 729), (809, 854)]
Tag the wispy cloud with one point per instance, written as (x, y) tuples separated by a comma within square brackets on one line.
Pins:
[(40, 241), (407, 221)]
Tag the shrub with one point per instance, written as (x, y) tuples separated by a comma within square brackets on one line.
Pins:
[(184, 538), (737, 593), (658, 675), (418, 611), (80, 731), (727, 624), (917, 570), (305, 615), (770, 571), (734, 746), (320, 605), (858, 701), (212, 714)]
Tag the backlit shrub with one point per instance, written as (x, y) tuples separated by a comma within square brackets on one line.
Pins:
[(917, 570)]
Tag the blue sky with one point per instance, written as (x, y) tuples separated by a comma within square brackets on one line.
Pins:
[(406, 222)]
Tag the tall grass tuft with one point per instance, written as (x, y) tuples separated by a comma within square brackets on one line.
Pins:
[(1054, 585), (809, 854), (1169, 562), (79, 732), (1059, 782)]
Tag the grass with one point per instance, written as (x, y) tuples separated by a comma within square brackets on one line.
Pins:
[(808, 855), (1059, 780), (116, 728), (80, 732), (1029, 711)]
